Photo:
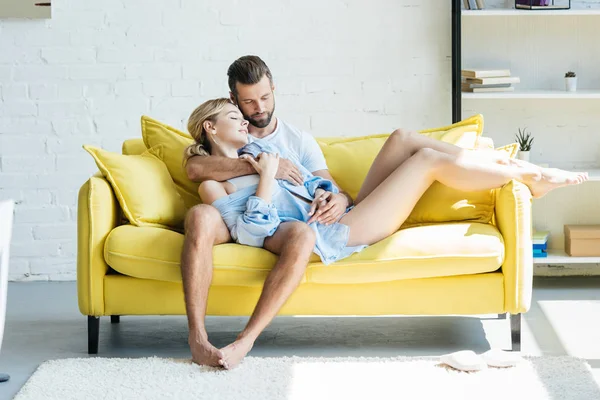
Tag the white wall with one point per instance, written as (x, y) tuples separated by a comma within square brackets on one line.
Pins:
[(87, 75)]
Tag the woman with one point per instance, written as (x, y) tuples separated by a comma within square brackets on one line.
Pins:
[(253, 206)]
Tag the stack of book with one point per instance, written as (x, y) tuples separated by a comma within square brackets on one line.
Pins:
[(540, 243), (488, 80)]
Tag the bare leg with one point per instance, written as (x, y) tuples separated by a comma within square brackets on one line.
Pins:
[(403, 144), (204, 228), (294, 242), (384, 210)]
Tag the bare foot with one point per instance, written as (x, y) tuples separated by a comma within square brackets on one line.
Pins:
[(235, 353), (204, 353), (552, 178)]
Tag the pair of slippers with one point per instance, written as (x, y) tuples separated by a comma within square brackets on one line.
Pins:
[(469, 361)]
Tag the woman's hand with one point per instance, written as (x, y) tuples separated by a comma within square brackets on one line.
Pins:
[(329, 207), (266, 166)]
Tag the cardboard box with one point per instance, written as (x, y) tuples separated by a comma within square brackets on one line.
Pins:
[(582, 240)]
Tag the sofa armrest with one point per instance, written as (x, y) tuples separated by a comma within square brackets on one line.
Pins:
[(514, 220), (97, 215)]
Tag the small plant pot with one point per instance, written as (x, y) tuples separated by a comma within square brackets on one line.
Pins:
[(571, 84), (523, 155)]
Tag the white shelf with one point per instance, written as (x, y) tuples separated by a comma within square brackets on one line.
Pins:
[(560, 257), (535, 94), (532, 13)]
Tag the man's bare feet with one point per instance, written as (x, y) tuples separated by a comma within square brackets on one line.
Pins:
[(204, 353), (235, 352), (553, 178)]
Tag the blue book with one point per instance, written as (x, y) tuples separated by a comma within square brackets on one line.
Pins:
[(540, 246)]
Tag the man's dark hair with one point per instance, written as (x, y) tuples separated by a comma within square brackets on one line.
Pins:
[(247, 70)]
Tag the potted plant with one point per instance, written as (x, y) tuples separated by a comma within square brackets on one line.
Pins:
[(571, 81), (525, 140)]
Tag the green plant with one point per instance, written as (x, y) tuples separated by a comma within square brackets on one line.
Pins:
[(524, 139), (570, 74)]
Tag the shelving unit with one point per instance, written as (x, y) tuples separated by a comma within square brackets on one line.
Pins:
[(560, 257), (459, 16), (535, 94), (528, 13)]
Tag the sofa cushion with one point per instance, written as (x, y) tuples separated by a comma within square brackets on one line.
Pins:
[(422, 252), (174, 142), (143, 186)]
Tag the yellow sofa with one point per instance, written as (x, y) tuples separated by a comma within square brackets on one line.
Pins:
[(463, 267)]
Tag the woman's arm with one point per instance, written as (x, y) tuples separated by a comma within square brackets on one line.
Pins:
[(260, 219), (210, 191)]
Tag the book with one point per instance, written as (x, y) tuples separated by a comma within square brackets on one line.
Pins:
[(494, 80), (540, 237), (488, 89), (480, 4), (479, 85), (485, 73)]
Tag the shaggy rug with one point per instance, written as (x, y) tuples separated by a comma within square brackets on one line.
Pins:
[(296, 378)]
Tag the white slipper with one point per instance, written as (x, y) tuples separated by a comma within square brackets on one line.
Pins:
[(465, 360), (501, 359)]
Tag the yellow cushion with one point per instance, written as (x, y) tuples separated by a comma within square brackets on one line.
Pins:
[(510, 149), (143, 187), (174, 142), (430, 251)]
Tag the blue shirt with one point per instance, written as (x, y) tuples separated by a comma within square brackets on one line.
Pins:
[(251, 220)]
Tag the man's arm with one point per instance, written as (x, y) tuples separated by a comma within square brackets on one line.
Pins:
[(216, 168)]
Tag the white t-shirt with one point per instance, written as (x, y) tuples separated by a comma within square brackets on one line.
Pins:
[(301, 143)]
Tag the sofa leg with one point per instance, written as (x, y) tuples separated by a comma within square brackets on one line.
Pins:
[(115, 319), (93, 334), (502, 316), (515, 331)]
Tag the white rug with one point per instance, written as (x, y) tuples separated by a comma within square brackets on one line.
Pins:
[(296, 378)]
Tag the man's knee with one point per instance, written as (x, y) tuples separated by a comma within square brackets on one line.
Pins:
[(202, 220), (301, 235)]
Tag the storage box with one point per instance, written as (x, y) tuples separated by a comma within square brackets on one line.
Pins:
[(582, 240)]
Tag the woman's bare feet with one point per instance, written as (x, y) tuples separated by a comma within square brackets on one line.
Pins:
[(235, 352), (553, 178), (204, 353)]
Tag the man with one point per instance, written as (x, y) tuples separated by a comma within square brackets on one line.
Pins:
[(252, 90)]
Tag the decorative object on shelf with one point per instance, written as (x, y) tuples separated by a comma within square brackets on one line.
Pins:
[(525, 141), (543, 4), (571, 81), (540, 243), (487, 80), (582, 240)]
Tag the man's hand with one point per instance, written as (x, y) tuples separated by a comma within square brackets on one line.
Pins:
[(288, 171), (329, 207)]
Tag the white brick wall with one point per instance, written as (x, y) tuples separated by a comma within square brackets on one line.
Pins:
[(86, 76)]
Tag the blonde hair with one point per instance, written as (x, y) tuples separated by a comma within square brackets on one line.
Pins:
[(207, 111)]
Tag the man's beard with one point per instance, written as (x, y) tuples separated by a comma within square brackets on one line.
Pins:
[(263, 122)]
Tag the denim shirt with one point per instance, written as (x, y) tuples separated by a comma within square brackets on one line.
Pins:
[(250, 219)]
